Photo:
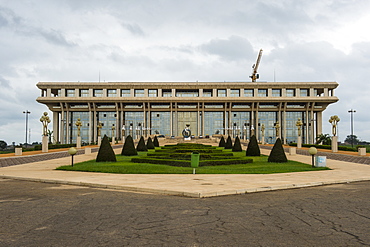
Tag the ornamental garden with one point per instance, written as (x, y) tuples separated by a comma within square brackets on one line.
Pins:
[(226, 158)]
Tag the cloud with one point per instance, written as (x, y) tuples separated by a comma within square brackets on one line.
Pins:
[(233, 48), (134, 28)]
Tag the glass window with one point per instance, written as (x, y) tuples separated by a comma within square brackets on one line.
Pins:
[(84, 93), (248, 92), (98, 92), (139, 92), (234, 93), (187, 93), (125, 93), (221, 92), (70, 93), (276, 92), (152, 92), (262, 92), (59, 93), (304, 92), (166, 93), (290, 92), (207, 92), (112, 92)]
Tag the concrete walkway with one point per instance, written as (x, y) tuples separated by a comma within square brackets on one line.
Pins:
[(192, 185)]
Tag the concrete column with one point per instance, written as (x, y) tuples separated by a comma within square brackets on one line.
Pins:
[(299, 142), (55, 127), (334, 144), (312, 92), (104, 93), (67, 124), (48, 92), (78, 142), (171, 120), (269, 92), (319, 123), (63, 92), (90, 126), (99, 141), (91, 92), (63, 124), (326, 92), (45, 147), (201, 92), (18, 151), (214, 92)]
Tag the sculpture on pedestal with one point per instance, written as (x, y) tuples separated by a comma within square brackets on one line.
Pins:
[(186, 133), (299, 124), (277, 128), (100, 125), (45, 120), (334, 122), (78, 124)]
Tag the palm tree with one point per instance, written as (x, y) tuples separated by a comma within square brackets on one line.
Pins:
[(324, 139), (49, 134)]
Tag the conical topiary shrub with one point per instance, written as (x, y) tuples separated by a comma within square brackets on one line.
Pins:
[(253, 149), (237, 146), (141, 145), (156, 142), (129, 147), (277, 153), (222, 142), (229, 143), (149, 144), (106, 153)]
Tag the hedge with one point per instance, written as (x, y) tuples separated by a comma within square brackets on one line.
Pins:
[(187, 163), (343, 148)]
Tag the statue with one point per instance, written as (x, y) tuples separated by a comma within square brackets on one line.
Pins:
[(100, 125), (277, 128), (78, 124), (252, 129), (45, 120), (186, 133), (263, 129), (113, 129), (299, 124), (334, 122)]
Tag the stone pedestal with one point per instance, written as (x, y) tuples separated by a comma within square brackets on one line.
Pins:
[(78, 144), (362, 151), (292, 151), (87, 150), (299, 142), (334, 144), (18, 151), (113, 140), (187, 138), (99, 140), (45, 147), (263, 140)]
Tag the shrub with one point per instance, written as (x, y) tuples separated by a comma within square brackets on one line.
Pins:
[(229, 143), (253, 149), (141, 145), (106, 153), (129, 147), (222, 142), (277, 153), (155, 141), (237, 146), (149, 143)]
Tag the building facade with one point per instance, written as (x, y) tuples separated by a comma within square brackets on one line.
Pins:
[(209, 108)]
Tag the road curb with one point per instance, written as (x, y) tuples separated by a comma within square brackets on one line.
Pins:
[(186, 193)]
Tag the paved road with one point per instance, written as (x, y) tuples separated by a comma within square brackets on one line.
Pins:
[(38, 214)]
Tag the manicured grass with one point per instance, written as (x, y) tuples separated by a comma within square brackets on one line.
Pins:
[(124, 166)]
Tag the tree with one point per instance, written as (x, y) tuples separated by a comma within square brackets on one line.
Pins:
[(150, 144), (3, 144), (141, 145), (253, 149), (106, 153), (229, 143), (128, 147), (50, 133), (352, 139), (156, 142), (277, 153), (237, 146), (222, 142), (324, 139)]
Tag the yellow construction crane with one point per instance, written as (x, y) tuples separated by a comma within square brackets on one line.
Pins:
[(254, 75)]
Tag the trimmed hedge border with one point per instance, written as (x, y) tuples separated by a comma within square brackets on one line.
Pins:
[(343, 148), (187, 163)]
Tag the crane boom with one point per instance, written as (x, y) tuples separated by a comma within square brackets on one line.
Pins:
[(254, 75)]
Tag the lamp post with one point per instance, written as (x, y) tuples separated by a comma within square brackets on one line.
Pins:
[(72, 151), (313, 152), (351, 112), (26, 112)]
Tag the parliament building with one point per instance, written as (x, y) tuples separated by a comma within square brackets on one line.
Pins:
[(166, 108)]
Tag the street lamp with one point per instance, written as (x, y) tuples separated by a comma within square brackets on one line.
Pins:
[(72, 151), (26, 112), (351, 112)]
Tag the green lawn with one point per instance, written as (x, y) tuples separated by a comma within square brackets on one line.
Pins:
[(124, 166)]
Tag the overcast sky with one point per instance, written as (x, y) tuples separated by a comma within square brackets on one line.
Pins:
[(193, 40)]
